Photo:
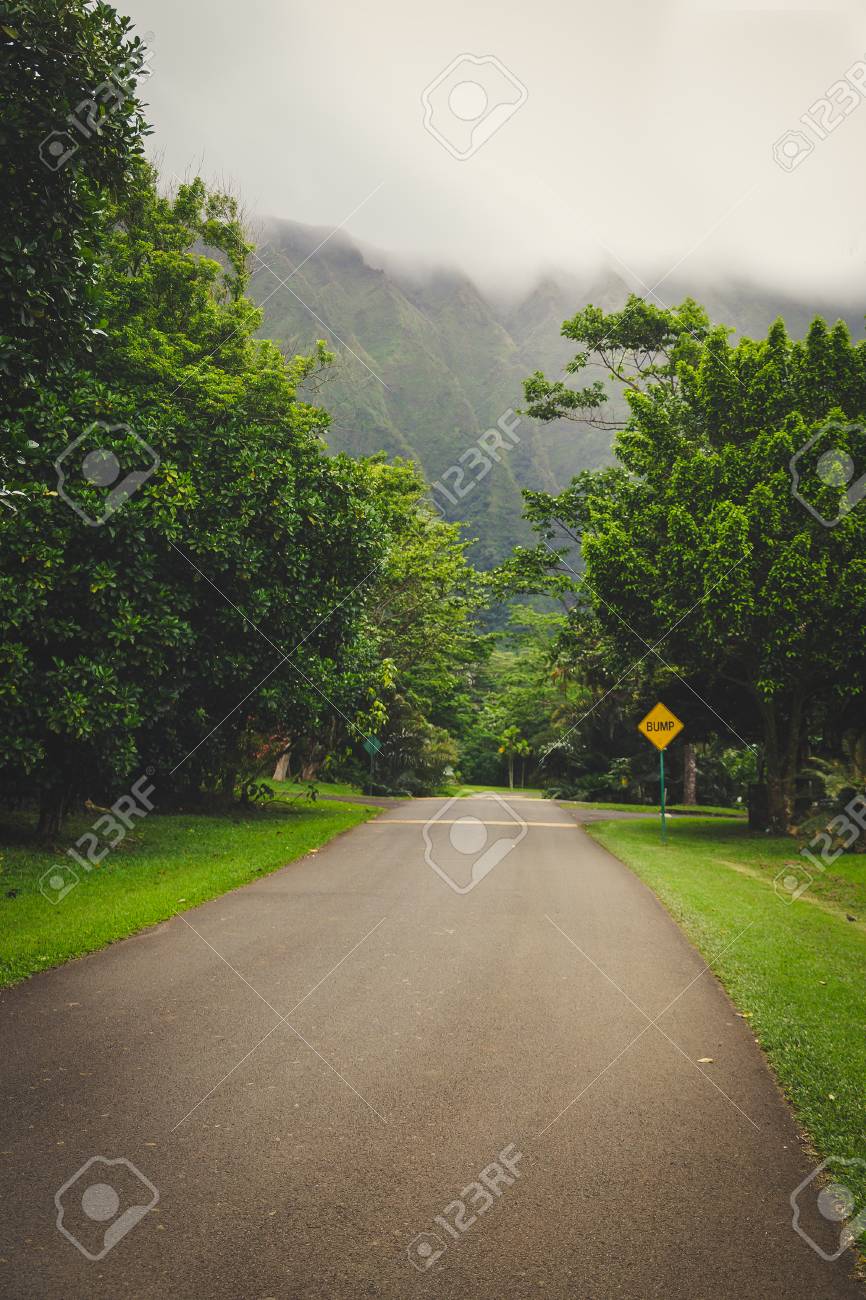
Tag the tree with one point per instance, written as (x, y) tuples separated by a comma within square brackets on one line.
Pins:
[(702, 550), (514, 746), (517, 683), (690, 773), (71, 134), (219, 601), (512, 743), (420, 622)]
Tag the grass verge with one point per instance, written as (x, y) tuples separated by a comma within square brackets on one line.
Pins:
[(461, 791), (706, 810), (702, 809), (798, 972), (167, 863), (323, 787)]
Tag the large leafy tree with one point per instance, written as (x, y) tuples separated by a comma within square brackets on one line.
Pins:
[(187, 578), (697, 554), (416, 647), (420, 621), (221, 599), (71, 132)]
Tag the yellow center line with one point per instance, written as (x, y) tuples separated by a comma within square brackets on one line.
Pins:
[(459, 821)]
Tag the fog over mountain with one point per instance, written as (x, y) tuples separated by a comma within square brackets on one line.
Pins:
[(642, 138), (514, 166), (426, 361)]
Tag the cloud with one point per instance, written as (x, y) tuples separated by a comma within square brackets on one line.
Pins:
[(643, 138)]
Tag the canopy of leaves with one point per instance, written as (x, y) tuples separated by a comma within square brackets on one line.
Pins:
[(68, 73), (721, 548), (224, 597)]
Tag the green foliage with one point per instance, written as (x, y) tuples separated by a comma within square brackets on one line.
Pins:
[(638, 344), (699, 563), (421, 622), (512, 745), (222, 599), (516, 700), (237, 593), (58, 59), (422, 371)]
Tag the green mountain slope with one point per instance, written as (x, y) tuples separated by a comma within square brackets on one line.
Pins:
[(422, 370), (424, 366)]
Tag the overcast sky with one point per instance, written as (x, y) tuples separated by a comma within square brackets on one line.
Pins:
[(639, 134)]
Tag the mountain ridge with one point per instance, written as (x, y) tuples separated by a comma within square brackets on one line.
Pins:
[(426, 362)]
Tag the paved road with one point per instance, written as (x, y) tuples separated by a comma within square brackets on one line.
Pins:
[(582, 814), (312, 1069)]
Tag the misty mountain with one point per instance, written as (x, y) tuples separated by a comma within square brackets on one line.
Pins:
[(426, 364)]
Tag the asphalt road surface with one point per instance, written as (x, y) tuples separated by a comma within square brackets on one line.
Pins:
[(374, 1074)]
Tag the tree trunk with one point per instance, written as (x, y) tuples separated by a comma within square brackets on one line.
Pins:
[(52, 807), (780, 799), (690, 775), (511, 771), (782, 737), (281, 771)]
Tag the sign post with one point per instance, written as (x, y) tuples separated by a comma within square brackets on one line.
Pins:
[(660, 726), (372, 745)]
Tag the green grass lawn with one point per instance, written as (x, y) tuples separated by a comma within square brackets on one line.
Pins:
[(463, 790), (286, 789), (705, 809), (323, 787), (167, 863), (798, 973), (649, 809)]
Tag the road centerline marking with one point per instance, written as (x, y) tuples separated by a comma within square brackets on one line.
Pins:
[(458, 821)]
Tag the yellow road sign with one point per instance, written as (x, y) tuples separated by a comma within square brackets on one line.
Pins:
[(660, 726)]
